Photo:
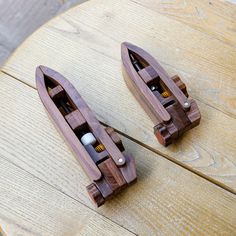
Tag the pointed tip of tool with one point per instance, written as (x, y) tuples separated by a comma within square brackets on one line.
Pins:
[(43, 68), (124, 50), (39, 69), (125, 45), (40, 73)]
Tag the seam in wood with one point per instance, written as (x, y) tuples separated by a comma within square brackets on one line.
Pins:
[(19, 80), (202, 101), (175, 161), (60, 191), (179, 163)]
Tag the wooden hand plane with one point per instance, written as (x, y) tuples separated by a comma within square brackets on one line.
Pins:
[(99, 150), (164, 98)]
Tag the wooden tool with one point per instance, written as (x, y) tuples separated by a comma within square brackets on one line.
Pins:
[(165, 99), (99, 150)]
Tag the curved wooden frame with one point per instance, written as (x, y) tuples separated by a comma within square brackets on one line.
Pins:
[(110, 170), (171, 121)]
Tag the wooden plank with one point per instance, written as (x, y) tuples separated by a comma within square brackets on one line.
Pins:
[(215, 18), (206, 65), (30, 206), (166, 200)]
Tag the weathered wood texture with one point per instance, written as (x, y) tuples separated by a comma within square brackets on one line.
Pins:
[(30, 206), (112, 161), (172, 114), (213, 17), (19, 18), (42, 185), (88, 53)]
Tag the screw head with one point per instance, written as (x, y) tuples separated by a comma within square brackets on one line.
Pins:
[(120, 160), (186, 104)]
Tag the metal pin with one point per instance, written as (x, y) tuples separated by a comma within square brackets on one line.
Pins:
[(186, 104), (153, 88)]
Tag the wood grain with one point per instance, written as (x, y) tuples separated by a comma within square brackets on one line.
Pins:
[(166, 200), (215, 18), (106, 171), (80, 152), (30, 206), (170, 121), (205, 64)]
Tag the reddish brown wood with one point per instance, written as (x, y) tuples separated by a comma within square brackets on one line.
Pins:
[(104, 188), (165, 99), (115, 138), (56, 93), (95, 195), (77, 101), (180, 84), (102, 158), (148, 74), (112, 174), (79, 150), (76, 120)]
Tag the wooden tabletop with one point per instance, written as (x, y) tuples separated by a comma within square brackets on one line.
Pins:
[(186, 189)]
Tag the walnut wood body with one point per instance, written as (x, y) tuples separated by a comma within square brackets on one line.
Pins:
[(172, 115), (110, 170)]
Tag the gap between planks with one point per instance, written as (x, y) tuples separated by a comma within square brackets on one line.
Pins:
[(67, 195), (175, 161), (63, 193), (168, 192), (163, 15), (112, 58), (59, 190), (197, 99)]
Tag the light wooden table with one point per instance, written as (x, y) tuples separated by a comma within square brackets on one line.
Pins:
[(186, 189)]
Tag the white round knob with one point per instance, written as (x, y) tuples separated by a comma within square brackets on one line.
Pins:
[(88, 139)]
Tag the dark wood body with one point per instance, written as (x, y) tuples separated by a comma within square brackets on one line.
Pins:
[(110, 170), (173, 115)]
